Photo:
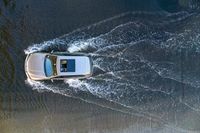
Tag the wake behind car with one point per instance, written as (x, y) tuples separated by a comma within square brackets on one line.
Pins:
[(58, 66)]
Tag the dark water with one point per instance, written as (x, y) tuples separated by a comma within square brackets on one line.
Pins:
[(146, 66)]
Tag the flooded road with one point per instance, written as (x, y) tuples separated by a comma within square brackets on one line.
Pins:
[(146, 66)]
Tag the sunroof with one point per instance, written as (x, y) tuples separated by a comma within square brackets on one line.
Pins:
[(67, 65)]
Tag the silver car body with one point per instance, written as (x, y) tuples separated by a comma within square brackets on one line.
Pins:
[(35, 67)]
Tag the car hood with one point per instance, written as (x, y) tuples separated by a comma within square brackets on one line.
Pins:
[(35, 66)]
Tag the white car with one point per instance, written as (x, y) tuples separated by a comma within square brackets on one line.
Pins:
[(57, 65)]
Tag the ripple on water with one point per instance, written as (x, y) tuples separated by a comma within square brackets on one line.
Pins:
[(142, 64)]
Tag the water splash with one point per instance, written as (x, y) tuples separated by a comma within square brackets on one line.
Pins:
[(141, 64)]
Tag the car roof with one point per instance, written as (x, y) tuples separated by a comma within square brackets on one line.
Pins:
[(82, 65)]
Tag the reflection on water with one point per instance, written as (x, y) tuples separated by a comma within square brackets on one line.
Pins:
[(146, 66)]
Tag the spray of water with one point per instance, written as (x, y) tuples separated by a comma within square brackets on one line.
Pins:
[(136, 64)]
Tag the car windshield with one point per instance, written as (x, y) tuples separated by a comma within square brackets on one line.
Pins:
[(48, 67)]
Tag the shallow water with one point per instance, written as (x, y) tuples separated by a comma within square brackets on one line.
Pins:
[(146, 67)]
